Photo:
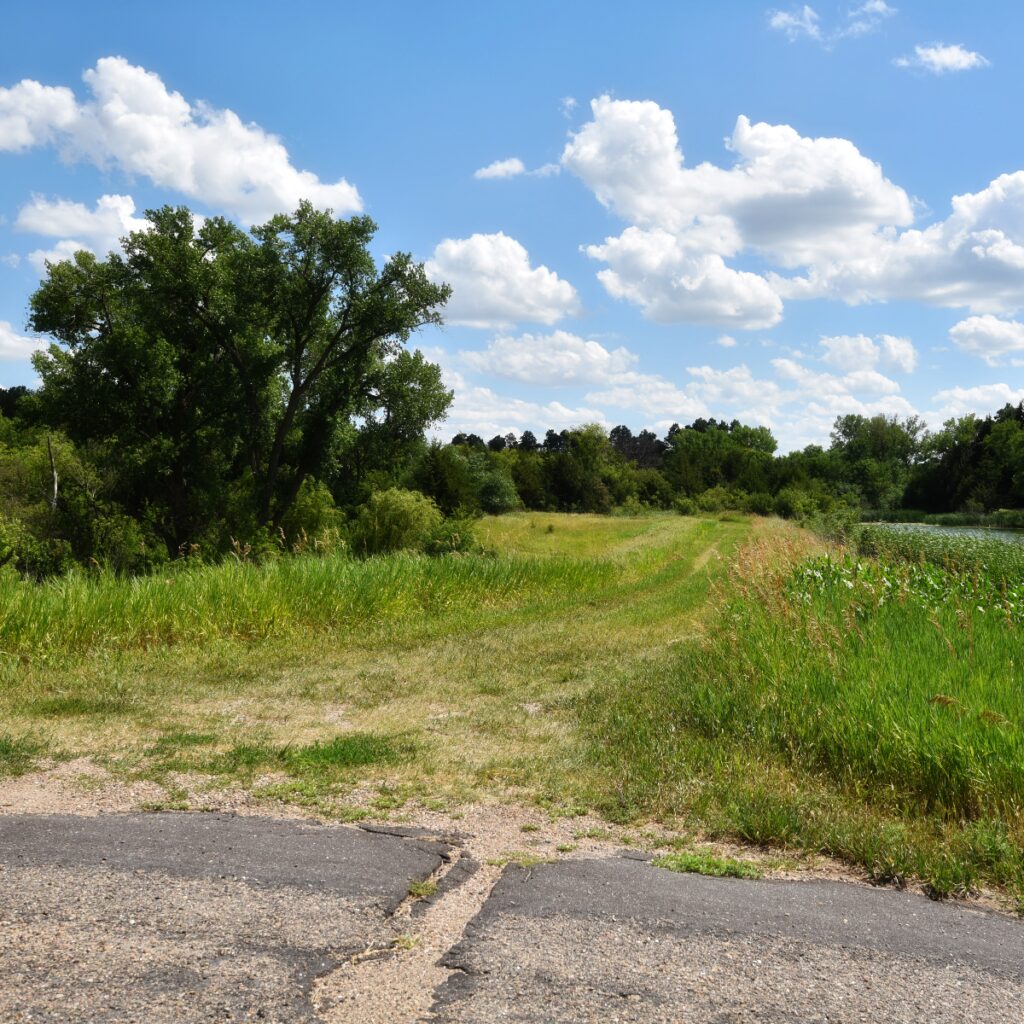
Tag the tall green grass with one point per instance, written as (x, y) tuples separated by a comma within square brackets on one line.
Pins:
[(79, 613), (903, 704), (868, 709)]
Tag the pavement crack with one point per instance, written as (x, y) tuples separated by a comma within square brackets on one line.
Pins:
[(396, 983)]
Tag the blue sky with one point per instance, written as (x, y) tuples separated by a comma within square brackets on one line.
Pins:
[(649, 212)]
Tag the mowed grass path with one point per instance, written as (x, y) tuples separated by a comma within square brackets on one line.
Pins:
[(437, 680)]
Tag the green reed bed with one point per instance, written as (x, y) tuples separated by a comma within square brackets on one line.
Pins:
[(80, 613), (988, 559)]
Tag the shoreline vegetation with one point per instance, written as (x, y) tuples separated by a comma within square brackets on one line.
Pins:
[(727, 677), (999, 519)]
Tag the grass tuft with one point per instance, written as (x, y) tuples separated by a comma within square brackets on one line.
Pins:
[(423, 890), (706, 864), (17, 754), (324, 759)]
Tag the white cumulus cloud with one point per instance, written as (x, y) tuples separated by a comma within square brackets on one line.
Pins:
[(857, 352), (32, 114), (98, 230), (14, 346), (973, 258), (990, 338), (795, 200), (480, 410), (651, 395), (493, 284), (792, 197), (550, 359), (821, 386), (815, 207), (134, 123), (501, 169), (899, 353), (941, 59), (652, 269), (981, 400), (850, 352)]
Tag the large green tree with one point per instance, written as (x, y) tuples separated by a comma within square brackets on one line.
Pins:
[(216, 368)]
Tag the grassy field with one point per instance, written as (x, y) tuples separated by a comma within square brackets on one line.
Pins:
[(436, 680), (729, 678)]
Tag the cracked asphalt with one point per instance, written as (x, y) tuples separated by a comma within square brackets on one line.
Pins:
[(181, 917), (619, 940), (212, 917)]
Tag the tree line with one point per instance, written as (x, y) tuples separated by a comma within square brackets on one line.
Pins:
[(878, 465), (210, 390)]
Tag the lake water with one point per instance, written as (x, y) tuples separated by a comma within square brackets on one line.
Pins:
[(980, 532)]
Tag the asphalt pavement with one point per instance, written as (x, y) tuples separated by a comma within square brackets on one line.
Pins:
[(155, 918), (208, 917), (620, 940)]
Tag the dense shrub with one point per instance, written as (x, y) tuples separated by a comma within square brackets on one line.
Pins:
[(794, 503), (396, 520), (455, 534), (313, 519), (685, 506), (761, 503)]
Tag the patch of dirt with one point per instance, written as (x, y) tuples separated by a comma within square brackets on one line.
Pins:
[(74, 787)]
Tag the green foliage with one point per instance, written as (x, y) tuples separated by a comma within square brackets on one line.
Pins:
[(718, 499), (685, 506), (794, 503), (495, 491), (396, 520), (203, 356), (455, 534), (972, 465), (313, 520)]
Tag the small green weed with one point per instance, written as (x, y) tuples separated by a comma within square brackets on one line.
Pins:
[(598, 834), (351, 750), (423, 890)]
